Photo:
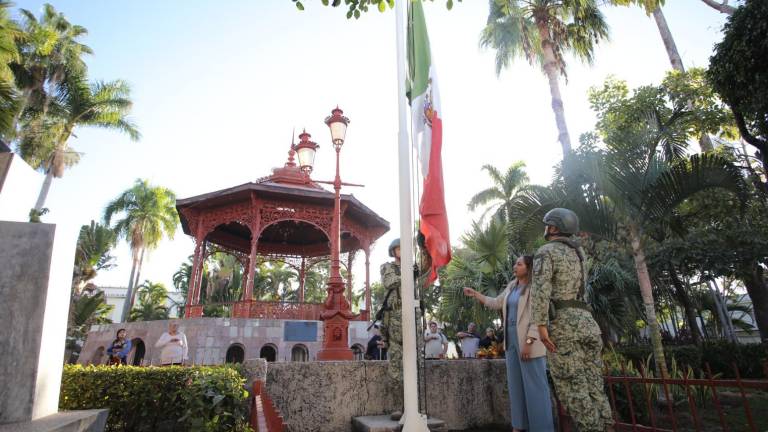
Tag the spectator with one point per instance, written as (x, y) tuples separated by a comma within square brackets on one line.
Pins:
[(435, 342), (470, 341), (118, 351), (174, 346), (375, 349), (489, 339)]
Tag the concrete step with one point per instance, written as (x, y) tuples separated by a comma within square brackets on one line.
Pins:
[(382, 423), (64, 421)]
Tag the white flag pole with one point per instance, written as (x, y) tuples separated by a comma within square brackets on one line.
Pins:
[(412, 421)]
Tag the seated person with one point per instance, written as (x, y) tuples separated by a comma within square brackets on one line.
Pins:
[(489, 339)]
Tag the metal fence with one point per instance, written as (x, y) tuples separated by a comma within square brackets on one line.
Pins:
[(692, 402)]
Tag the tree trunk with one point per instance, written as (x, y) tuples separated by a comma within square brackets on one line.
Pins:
[(722, 313), (137, 281), (44, 190), (552, 72), (720, 7), (646, 292), (669, 41), (703, 323), (681, 295), (754, 281), (129, 294)]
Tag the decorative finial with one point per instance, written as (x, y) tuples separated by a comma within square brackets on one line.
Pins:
[(292, 152)]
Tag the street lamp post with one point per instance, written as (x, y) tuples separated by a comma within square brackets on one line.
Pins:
[(336, 309)]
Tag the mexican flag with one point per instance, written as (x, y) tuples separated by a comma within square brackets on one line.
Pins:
[(427, 129)]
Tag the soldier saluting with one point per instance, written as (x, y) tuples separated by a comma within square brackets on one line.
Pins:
[(573, 337)]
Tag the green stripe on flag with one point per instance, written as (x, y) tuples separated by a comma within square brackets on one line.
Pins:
[(418, 51)]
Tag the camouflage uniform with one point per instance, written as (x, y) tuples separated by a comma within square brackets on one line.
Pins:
[(577, 366), (392, 330)]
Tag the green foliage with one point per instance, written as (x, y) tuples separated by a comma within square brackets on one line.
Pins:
[(738, 73), (518, 29), (506, 189), (355, 8), (159, 399), (94, 244), (721, 356), (151, 304)]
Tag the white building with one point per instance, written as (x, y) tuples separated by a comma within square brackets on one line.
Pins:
[(115, 296)]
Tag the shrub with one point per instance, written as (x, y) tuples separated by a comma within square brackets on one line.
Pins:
[(721, 356), (749, 358), (169, 399)]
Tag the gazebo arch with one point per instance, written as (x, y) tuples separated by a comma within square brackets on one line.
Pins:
[(283, 217)]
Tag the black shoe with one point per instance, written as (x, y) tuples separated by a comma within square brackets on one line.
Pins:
[(396, 415)]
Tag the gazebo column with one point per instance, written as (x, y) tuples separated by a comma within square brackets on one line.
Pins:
[(367, 251), (302, 277), (244, 283), (350, 260), (194, 309), (255, 232), (192, 276)]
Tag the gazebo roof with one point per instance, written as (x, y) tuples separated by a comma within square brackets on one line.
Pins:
[(287, 185)]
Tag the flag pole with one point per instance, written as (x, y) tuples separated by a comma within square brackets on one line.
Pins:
[(412, 421)]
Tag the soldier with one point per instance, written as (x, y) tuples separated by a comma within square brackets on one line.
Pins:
[(574, 343), (391, 328)]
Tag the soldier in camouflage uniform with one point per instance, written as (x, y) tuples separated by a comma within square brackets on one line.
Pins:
[(573, 338), (392, 328)]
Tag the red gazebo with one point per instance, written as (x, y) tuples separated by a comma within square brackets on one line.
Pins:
[(285, 217)]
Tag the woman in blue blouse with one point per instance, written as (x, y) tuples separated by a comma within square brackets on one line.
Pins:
[(118, 351), (530, 403)]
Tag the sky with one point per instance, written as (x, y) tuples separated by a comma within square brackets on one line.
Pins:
[(218, 88)]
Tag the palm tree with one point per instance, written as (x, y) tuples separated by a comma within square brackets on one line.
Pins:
[(225, 280), (505, 190), (104, 105), (87, 305), (280, 279), (94, 245), (85, 311), (49, 53), (151, 306), (646, 180), (146, 214), (9, 103), (543, 31), (482, 263)]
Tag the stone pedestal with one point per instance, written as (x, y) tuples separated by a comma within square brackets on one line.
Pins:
[(35, 280), (383, 423)]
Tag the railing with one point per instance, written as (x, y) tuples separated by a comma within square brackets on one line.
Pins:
[(644, 403), (267, 310), (264, 415)]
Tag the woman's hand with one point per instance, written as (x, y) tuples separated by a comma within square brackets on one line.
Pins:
[(525, 353), (544, 336), (469, 292)]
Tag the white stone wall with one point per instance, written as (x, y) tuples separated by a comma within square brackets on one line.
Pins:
[(209, 338)]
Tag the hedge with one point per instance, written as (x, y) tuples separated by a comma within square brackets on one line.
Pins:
[(720, 356), (168, 399)]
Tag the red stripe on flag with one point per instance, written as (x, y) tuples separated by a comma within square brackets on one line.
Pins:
[(434, 218)]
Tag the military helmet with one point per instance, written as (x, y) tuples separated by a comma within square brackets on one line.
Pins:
[(395, 244), (565, 220)]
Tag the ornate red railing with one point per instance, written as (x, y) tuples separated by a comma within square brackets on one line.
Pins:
[(270, 310)]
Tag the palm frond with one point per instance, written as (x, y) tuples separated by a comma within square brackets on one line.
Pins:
[(685, 178)]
